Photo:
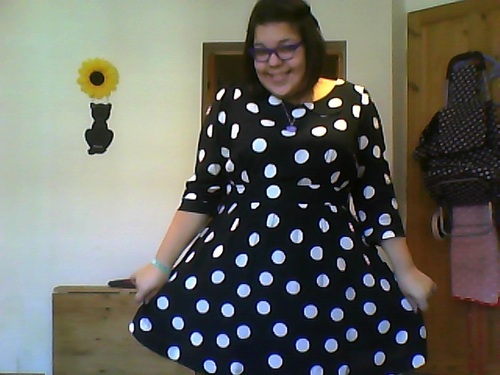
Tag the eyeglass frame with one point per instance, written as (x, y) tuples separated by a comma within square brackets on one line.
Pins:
[(274, 51)]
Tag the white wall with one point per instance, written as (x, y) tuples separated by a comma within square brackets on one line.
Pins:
[(70, 218)]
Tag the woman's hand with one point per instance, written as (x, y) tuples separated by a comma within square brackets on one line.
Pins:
[(148, 280), (417, 287)]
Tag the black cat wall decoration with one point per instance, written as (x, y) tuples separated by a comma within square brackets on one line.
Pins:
[(99, 136)]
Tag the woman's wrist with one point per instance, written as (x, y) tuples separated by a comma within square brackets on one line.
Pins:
[(162, 267)]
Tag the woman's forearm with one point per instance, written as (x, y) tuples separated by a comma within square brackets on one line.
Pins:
[(183, 228), (398, 254)]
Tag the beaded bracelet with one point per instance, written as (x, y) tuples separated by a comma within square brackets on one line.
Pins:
[(163, 268)]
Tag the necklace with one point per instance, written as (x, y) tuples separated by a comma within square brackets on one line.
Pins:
[(291, 122)]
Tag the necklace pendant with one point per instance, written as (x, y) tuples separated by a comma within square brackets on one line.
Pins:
[(291, 128)]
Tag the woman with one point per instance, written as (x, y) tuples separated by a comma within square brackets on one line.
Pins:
[(290, 196)]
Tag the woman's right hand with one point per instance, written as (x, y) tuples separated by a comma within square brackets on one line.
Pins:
[(148, 280)]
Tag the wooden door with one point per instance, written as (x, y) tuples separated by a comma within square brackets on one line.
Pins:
[(464, 338)]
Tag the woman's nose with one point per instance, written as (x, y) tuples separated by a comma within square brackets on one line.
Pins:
[(274, 59)]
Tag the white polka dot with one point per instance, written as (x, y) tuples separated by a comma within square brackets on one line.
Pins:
[(220, 94), (273, 100), (388, 234), (222, 341), (293, 287), (324, 225), (232, 208), (376, 123), (222, 117), (202, 306), (340, 125), (368, 192), (384, 326), (191, 196), (377, 152), (218, 251), (316, 370), (236, 94), (402, 337), (360, 89), (131, 327), (235, 130), (263, 307), (385, 219), (301, 156), (385, 285), (310, 311), (344, 370), (191, 282), (267, 123), (162, 303), (346, 243), (209, 237), (334, 102), (210, 366), (178, 323), (253, 239), (266, 278), (270, 171), (210, 131), (379, 358), (196, 338), (145, 325), (334, 177), (363, 142), (323, 280), (235, 224), (298, 112), (418, 361), (368, 232), (214, 169), (280, 329), (243, 290), (423, 332), (190, 257), (337, 314), (278, 257), (302, 345), (275, 361), (331, 345), (273, 191), (351, 334), (229, 166), (369, 280), (319, 131), (296, 236), (369, 308), (350, 294), (273, 220), (356, 110), (252, 107), (341, 264), (317, 253), (365, 99), (174, 353), (225, 152), (241, 260), (288, 133), (236, 368), (243, 331), (259, 145), (330, 155), (406, 305), (227, 310), (218, 277)]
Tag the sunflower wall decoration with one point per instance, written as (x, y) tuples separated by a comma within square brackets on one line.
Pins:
[(98, 78)]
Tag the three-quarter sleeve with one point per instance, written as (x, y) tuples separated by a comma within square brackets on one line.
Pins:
[(373, 193), (206, 187)]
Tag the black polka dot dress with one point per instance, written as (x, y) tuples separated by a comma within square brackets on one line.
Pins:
[(286, 278)]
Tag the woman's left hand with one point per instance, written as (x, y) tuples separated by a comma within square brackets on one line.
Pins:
[(417, 287)]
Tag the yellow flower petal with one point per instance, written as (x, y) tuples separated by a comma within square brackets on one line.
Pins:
[(109, 73)]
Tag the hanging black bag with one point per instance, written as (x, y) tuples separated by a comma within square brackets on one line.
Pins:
[(459, 150)]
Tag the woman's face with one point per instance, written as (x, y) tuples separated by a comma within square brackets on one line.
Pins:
[(282, 78)]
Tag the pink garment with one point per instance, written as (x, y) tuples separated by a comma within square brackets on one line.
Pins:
[(475, 271)]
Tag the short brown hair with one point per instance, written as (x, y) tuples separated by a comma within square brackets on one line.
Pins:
[(298, 14)]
